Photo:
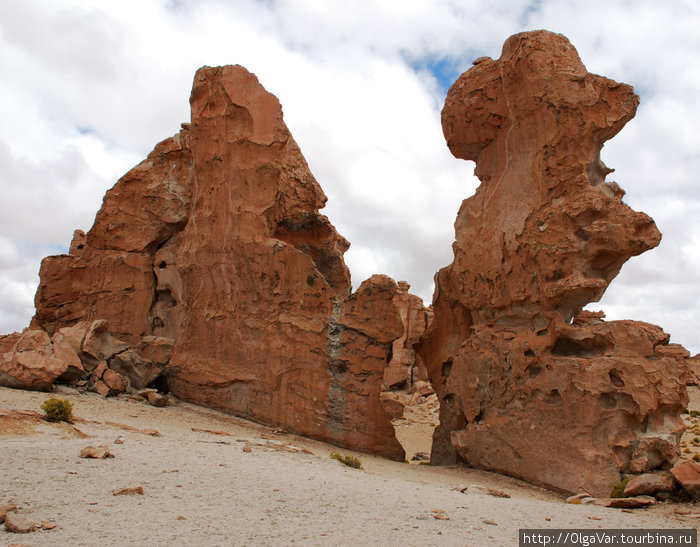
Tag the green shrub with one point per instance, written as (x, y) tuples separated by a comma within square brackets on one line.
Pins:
[(350, 461), (618, 490), (57, 410)]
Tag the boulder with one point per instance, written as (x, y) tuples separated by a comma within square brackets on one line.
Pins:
[(114, 381), (687, 474), (648, 485), (138, 371), (31, 364), (528, 384), (394, 408), (99, 342)]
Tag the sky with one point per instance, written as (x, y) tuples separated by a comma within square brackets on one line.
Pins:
[(89, 87)]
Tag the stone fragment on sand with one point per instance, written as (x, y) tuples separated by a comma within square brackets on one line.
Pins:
[(6, 509), (135, 491), (96, 452), (687, 474), (581, 498), (47, 525), (648, 485), (18, 524), (636, 502), (157, 399)]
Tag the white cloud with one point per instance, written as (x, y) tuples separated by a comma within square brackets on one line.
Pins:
[(90, 87)]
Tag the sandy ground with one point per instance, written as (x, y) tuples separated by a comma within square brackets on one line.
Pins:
[(211, 479)]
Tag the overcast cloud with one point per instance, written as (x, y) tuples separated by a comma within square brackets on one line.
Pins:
[(89, 87)]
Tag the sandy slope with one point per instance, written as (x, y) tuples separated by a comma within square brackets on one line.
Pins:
[(254, 486)]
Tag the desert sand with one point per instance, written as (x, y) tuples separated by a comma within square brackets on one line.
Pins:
[(212, 479)]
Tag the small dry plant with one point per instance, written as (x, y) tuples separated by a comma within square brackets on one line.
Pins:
[(350, 461), (57, 410)]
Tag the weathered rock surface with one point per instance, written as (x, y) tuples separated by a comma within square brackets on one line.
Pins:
[(406, 366), (32, 364), (526, 387), (215, 245)]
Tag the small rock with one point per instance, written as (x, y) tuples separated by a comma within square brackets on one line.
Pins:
[(119, 440), (18, 524), (97, 452), (648, 484), (421, 457), (581, 498), (6, 509), (47, 525), (137, 491), (156, 399), (636, 502), (439, 514), (497, 493), (247, 449), (487, 521)]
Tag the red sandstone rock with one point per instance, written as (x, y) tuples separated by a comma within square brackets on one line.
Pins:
[(114, 381), (215, 242), (394, 408), (687, 474), (8, 341), (405, 363), (648, 485), (32, 363), (523, 390), (100, 344)]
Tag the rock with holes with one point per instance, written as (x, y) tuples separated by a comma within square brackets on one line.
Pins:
[(210, 259), (529, 385)]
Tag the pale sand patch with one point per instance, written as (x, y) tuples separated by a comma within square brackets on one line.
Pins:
[(202, 488)]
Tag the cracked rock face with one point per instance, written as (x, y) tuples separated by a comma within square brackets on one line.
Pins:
[(525, 390), (215, 241)]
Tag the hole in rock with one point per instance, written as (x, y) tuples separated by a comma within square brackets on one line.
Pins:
[(594, 346), (162, 264), (615, 378), (161, 384)]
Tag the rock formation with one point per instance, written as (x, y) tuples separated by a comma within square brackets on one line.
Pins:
[(215, 244), (405, 365), (526, 387)]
